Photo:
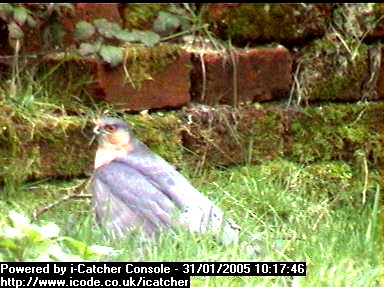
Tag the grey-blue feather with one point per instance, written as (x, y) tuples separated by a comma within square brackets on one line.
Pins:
[(153, 192), (139, 202), (197, 211)]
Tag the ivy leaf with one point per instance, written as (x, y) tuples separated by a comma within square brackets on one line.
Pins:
[(126, 36), (112, 54), (84, 30), (15, 31), (89, 48), (106, 28), (20, 14), (166, 23), (148, 38)]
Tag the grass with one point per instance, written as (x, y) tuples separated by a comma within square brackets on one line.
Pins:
[(299, 215), (287, 211)]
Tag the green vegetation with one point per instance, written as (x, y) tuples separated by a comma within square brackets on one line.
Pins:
[(337, 131), (261, 23), (312, 213), (322, 212), (141, 63), (306, 186), (340, 66)]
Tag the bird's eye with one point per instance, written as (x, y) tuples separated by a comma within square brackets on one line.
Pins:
[(110, 128)]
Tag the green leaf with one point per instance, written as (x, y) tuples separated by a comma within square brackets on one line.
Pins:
[(84, 30), (124, 35), (112, 54), (146, 37), (8, 244), (89, 48), (15, 31), (166, 23), (76, 246), (20, 14), (149, 38), (33, 235), (106, 28)]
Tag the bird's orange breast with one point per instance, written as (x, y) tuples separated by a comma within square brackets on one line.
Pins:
[(119, 138), (117, 146)]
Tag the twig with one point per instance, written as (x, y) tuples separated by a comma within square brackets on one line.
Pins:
[(77, 194), (364, 192), (296, 84), (39, 211), (234, 75), (204, 73), (359, 116), (342, 41)]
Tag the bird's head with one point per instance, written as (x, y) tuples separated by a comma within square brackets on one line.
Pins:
[(115, 140)]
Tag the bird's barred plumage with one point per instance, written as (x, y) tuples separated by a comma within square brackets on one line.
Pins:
[(133, 188)]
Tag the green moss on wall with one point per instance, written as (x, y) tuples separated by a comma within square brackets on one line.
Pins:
[(161, 133), (337, 131), (141, 17), (261, 23), (143, 63), (228, 136), (330, 73)]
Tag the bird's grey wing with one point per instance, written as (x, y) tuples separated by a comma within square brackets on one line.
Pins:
[(125, 199), (198, 212), (113, 214)]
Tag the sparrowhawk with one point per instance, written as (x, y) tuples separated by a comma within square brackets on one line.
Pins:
[(134, 188)]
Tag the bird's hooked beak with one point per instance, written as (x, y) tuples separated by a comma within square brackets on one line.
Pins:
[(96, 129)]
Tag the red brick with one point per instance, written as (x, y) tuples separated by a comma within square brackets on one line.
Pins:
[(169, 87), (261, 74)]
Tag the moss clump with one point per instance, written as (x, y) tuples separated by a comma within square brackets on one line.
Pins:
[(261, 23), (227, 136), (60, 147), (141, 17), (337, 132), (47, 147), (67, 82), (143, 63), (339, 66), (328, 75), (38, 138), (161, 133)]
